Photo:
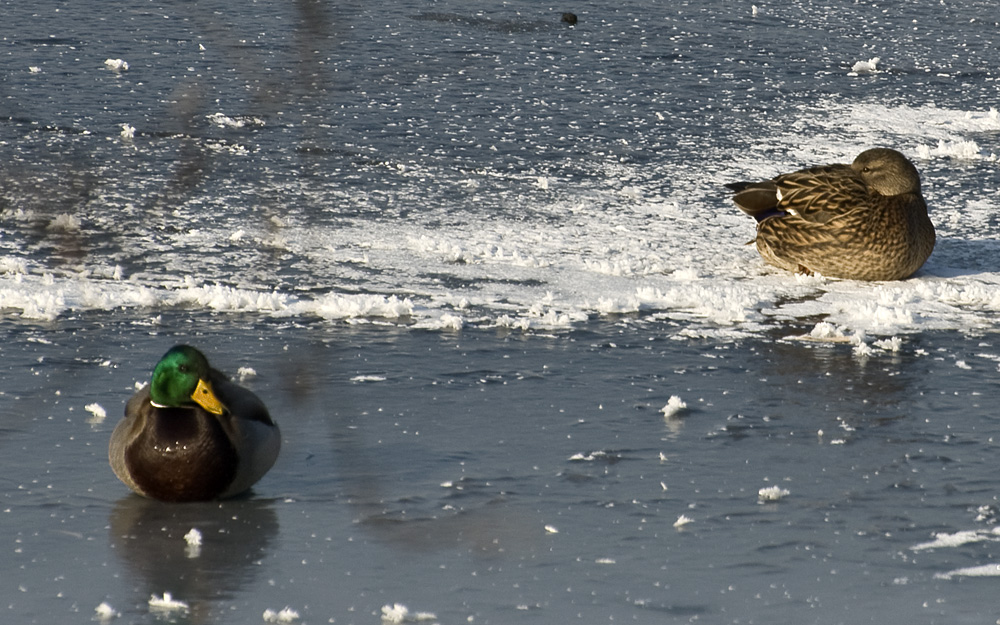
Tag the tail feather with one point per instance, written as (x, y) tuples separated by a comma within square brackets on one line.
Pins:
[(757, 199)]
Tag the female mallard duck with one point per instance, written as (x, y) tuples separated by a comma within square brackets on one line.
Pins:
[(191, 434), (863, 221)]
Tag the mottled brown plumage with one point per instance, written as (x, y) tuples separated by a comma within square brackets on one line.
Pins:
[(863, 221)]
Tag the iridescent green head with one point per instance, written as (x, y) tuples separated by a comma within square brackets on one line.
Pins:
[(181, 380)]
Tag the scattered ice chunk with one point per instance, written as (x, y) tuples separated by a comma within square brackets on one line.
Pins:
[(961, 149), (97, 410), (399, 613), (605, 561), (683, 520), (394, 613), (64, 223), (193, 540), (985, 570), (754, 10), (222, 146), (448, 321), (285, 615), (771, 493), (893, 344), (223, 120), (368, 378), (945, 540), (245, 372), (337, 306), (594, 455), (551, 529), (987, 512), (862, 68), (862, 349), (128, 131), (827, 332), (674, 406), (239, 121), (116, 65), (34, 69), (166, 603), (105, 612)]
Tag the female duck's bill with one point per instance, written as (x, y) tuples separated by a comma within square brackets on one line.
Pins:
[(191, 434), (863, 221)]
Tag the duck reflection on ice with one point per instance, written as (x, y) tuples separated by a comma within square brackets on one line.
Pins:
[(474, 514), (148, 536)]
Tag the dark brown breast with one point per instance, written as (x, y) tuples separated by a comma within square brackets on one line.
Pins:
[(183, 456)]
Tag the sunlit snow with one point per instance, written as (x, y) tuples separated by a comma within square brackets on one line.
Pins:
[(654, 258)]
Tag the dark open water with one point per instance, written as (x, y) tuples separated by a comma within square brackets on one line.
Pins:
[(470, 253)]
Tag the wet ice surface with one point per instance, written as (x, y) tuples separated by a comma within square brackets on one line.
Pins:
[(495, 479), (483, 270)]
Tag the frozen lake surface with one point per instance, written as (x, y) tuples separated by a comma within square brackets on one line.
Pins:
[(497, 479), (482, 267)]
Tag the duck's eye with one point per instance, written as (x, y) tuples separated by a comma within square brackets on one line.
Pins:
[(183, 368)]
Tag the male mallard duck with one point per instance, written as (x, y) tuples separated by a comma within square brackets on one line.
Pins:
[(191, 434), (863, 221)]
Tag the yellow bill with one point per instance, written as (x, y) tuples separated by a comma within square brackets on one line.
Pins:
[(205, 397)]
